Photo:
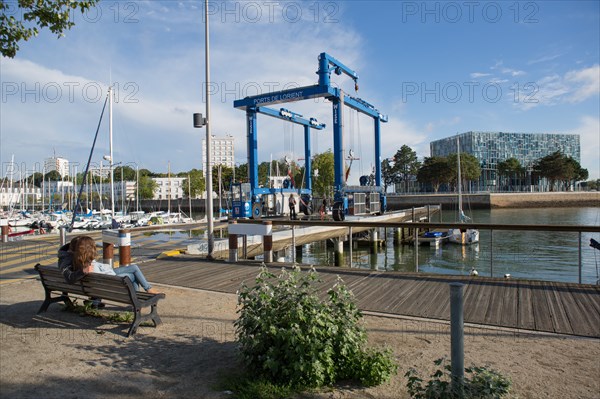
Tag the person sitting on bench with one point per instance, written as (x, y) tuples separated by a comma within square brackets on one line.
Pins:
[(82, 257)]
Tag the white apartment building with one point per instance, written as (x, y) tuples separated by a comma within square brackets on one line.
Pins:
[(168, 188), (222, 151), (61, 165)]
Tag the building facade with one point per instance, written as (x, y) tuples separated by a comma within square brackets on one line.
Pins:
[(168, 188), (490, 148), (222, 151), (61, 165)]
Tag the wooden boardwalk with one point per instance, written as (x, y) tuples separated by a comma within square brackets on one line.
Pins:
[(562, 308)]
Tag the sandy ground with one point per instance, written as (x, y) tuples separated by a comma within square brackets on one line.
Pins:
[(63, 355)]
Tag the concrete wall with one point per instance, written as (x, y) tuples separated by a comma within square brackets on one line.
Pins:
[(504, 200)]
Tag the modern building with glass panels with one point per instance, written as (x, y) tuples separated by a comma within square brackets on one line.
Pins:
[(490, 148)]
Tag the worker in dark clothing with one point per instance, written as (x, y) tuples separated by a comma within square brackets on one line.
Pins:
[(292, 202)]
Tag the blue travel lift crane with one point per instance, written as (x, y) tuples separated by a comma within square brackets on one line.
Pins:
[(251, 200), (347, 199)]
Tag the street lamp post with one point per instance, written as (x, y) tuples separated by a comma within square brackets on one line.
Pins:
[(199, 122)]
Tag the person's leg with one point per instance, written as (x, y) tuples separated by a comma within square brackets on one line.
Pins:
[(135, 275)]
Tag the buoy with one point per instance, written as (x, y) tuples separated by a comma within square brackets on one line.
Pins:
[(474, 272), (507, 276)]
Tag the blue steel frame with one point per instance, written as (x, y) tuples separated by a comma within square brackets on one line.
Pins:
[(327, 64)]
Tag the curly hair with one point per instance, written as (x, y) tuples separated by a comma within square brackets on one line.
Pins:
[(84, 251)]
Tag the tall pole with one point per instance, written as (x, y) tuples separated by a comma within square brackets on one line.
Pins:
[(209, 203), (137, 188), (110, 161), (190, 196)]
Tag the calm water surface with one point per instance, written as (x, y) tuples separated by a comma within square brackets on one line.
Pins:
[(533, 255)]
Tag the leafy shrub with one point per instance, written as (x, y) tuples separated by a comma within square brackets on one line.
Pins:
[(288, 335), (479, 382)]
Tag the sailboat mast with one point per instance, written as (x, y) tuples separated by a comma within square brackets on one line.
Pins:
[(110, 161), (460, 206)]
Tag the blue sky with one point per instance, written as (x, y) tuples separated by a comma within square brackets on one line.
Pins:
[(435, 68)]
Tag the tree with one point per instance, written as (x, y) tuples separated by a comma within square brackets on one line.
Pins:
[(129, 174), (469, 167), (387, 173), (323, 183), (147, 186), (557, 167), (53, 175), (241, 173), (435, 171), (195, 184), (21, 21), (511, 168), (406, 165)]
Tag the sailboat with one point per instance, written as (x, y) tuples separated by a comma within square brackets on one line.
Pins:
[(458, 235)]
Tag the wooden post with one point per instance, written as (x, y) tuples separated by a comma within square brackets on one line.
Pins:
[(268, 245), (124, 247), (4, 228), (233, 245), (108, 253)]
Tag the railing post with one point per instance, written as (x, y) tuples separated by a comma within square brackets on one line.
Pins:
[(457, 355), (416, 237), (124, 247), (350, 244), (491, 253), (580, 260), (293, 245)]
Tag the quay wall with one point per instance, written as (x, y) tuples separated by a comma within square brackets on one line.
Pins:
[(498, 200), (447, 200)]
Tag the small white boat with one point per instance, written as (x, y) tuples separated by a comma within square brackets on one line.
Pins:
[(458, 235)]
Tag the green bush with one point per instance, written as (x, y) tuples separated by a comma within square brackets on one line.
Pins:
[(479, 382), (289, 336)]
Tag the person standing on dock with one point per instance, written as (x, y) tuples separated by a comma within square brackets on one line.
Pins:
[(292, 203)]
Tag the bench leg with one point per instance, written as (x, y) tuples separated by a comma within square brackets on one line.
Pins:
[(139, 319), (49, 300)]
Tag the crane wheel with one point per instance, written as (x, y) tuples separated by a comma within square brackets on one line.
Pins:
[(338, 212), (257, 210)]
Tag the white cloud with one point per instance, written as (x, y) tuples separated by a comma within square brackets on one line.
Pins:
[(573, 87), (589, 131), (477, 75)]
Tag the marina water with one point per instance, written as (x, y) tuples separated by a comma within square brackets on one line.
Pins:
[(551, 256)]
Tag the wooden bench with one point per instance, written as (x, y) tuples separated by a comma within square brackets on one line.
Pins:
[(118, 289)]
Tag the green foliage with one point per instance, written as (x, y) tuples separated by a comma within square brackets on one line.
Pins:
[(87, 310), (291, 337), (323, 183), (559, 167), (406, 164), (435, 171), (20, 20), (194, 184), (469, 167), (146, 186), (246, 386), (479, 382)]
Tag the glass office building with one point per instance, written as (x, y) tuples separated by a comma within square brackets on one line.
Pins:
[(490, 148)]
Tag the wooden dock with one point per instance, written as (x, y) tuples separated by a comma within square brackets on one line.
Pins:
[(561, 308)]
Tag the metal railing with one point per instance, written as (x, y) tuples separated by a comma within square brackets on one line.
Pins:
[(422, 226)]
